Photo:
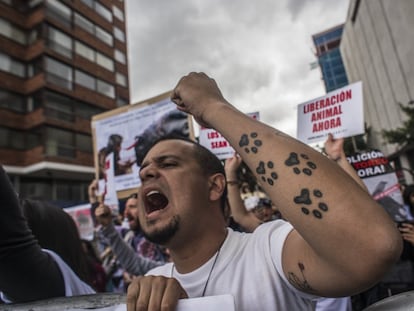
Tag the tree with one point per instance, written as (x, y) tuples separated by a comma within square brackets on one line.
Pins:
[(402, 136)]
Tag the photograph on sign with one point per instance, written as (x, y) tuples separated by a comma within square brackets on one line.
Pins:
[(123, 136), (381, 181), (339, 112)]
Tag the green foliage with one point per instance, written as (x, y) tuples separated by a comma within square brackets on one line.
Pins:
[(404, 135)]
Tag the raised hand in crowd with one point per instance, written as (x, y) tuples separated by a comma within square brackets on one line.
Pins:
[(334, 148), (407, 232), (246, 219)]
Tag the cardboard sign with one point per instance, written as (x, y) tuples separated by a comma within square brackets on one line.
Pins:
[(81, 214), (217, 144), (126, 133), (339, 112), (381, 180)]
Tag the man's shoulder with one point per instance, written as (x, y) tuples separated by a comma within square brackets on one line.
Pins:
[(164, 270)]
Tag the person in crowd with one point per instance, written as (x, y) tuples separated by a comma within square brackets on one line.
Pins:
[(41, 253), (127, 244), (97, 274), (180, 205)]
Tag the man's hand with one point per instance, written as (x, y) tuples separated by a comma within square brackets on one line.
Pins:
[(154, 293), (334, 148), (195, 93), (92, 189), (231, 165), (103, 215), (407, 232)]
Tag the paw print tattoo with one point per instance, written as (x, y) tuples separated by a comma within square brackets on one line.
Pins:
[(304, 199), (294, 161), (245, 142), (261, 170)]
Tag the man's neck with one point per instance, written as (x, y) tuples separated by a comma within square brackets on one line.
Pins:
[(194, 254)]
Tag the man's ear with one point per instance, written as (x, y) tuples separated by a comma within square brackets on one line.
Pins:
[(217, 184)]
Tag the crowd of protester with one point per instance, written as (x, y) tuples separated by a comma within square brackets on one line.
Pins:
[(120, 251)]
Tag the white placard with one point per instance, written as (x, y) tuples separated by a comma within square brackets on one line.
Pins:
[(339, 112)]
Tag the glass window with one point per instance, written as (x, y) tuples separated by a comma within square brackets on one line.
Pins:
[(84, 51), (119, 34), (104, 61), (4, 134), (85, 80), (17, 140), (121, 102), (58, 73), (59, 107), (104, 36), (84, 143), (118, 13), (120, 56), (83, 23), (12, 32), (60, 42), (12, 66), (59, 11), (89, 3), (12, 101), (32, 36), (60, 143), (121, 79), (86, 111), (105, 88), (103, 11)]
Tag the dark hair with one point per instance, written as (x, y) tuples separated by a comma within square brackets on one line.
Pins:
[(132, 196), (408, 190), (113, 141), (55, 230), (207, 160)]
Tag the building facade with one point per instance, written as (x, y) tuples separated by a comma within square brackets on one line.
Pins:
[(329, 57), (61, 62), (377, 48)]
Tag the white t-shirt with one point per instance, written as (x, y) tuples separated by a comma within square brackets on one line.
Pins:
[(249, 267), (334, 304), (74, 286)]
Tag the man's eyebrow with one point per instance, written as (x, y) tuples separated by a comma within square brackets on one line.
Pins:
[(159, 160)]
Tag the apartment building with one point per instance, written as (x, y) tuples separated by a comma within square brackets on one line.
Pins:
[(61, 62)]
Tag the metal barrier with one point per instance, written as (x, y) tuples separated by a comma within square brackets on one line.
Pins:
[(95, 301)]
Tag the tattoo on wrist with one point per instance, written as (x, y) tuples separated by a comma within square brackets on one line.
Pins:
[(305, 199), (245, 142), (300, 282), (295, 160), (261, 170)]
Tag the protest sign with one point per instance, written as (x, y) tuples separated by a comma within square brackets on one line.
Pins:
[(381, 180), (339, 112), (217, 144), (81, 214), (126, 133)]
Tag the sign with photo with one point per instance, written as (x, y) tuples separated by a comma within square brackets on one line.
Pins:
[(381, 180), (125, 135)]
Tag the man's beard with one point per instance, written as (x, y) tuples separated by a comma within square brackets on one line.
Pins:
[(163, 235)]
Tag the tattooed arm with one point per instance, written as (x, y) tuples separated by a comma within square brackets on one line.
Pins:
[(344, 241)]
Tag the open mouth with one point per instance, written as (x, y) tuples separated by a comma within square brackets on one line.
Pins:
[(155, 201)]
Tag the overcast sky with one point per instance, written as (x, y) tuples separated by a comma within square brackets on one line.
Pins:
[(258, 51)]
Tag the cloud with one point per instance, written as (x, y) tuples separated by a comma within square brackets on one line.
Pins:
[(258, 51)]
